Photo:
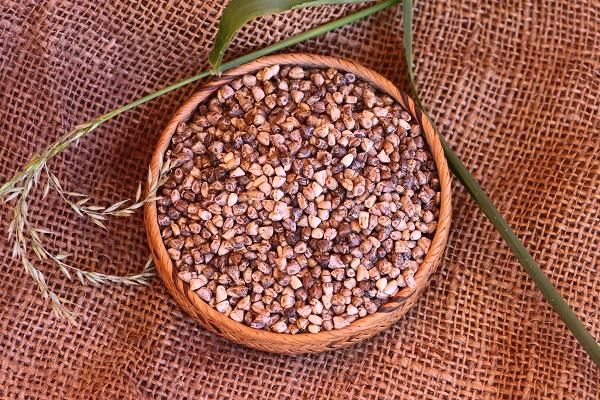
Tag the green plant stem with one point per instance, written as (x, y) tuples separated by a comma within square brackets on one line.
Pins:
[(239, 12), (37, 162), (301, 37), (292, 40), (459, 169), (551, 294)]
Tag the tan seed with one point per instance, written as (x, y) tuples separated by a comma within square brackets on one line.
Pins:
[(279, 326), (409, 278), (244, 303), (266, 232), (313, 221), (381, 284), (232, 199), (317, 233), (317, 308), (351, 310), (347, 160), (362, 273), (265, 187), (236, 173), (280, 212), (267, 73), (391, 288), (317, 79), (204, 293), (204, 215), (221, 294), (249, 81), (338, 97), (317, 189), (340, 322), (322, 131), (224, 93), (277, 194), (265, 139), (320, 177), (296, 73), (350, 283), (258, 93), (363, 219), (347, 184), (297, 96), (380, 111), (223, 307), (198, 282), (304, 311), (415, 235), (326, 300), (237, 315), (278, 181), (252, 228), (185, 276), (287, 301)]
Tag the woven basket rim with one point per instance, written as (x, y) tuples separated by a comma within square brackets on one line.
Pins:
[(305, 342)]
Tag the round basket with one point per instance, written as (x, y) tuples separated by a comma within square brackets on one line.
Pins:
[(360, 329)]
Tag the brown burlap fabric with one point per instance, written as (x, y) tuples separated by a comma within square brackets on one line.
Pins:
[(515, 88)]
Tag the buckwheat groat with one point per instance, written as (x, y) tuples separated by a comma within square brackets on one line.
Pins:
[(300, 200)]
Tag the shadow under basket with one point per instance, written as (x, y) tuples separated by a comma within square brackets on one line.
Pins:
[(360, 329)]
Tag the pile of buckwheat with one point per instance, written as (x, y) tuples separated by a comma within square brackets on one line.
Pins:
[(300, 199)]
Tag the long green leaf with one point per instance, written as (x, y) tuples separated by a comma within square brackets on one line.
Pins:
[(551, 294), (240, 12)]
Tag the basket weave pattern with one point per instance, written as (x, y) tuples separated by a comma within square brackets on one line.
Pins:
[(306, 342)]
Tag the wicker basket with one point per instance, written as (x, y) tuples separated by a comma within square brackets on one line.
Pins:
[(362, 328)]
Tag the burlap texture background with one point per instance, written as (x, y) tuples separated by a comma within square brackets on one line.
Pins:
[(515, 88)]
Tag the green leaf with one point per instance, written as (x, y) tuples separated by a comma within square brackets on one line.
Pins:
[(407, 40), (551, 294), (239, 12)]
